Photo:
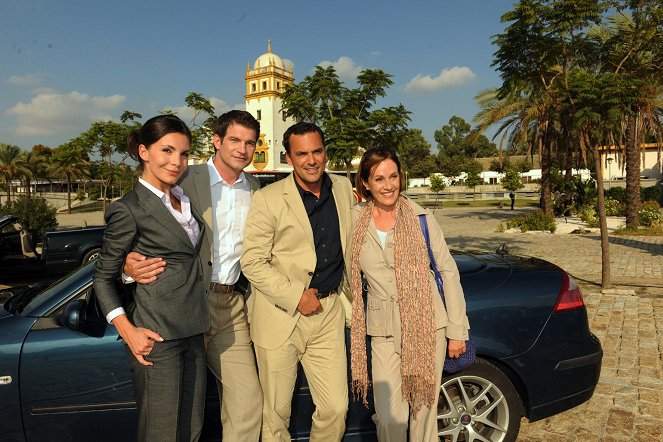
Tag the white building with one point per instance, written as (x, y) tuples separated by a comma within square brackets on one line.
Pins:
[(264, 85), (614, 163)]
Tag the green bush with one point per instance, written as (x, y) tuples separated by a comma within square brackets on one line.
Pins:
[(652, 193), (587, 214), (616, 193), (94, 193), (650, 214), (35, 215), (535, 220), (614, 207)]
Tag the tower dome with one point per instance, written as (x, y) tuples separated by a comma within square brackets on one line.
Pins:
[(268, 59)]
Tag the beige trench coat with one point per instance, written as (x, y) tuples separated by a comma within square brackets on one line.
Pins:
[(377, 264)]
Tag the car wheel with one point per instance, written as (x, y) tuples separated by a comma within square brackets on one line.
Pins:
[(90, 256), (478, 404)]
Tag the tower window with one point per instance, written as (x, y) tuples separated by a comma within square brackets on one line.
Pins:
[(278, 85), (264, 85), (258, 115), (253, 87)]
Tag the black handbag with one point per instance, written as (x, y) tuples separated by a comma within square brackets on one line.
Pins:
[(451, 365)]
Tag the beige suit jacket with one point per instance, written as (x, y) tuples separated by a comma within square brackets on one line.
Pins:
[(279, 255), (196, 184), (377, 264)]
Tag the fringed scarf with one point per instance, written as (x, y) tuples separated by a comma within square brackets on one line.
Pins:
[(416, 308)]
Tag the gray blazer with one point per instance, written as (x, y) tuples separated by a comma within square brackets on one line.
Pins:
[(175, 304)]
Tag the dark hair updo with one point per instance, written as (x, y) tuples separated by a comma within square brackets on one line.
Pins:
[(152, 131)]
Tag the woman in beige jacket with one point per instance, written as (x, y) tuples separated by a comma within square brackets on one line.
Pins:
[(405, 317)]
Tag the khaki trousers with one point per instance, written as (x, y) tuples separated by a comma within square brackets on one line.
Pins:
[(230, 357), (318, 342), (392, 412)]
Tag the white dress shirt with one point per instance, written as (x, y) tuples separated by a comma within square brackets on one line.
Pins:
[(230, 207), (184, 218)]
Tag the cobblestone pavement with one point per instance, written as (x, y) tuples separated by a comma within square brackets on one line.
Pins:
[(628, 402)]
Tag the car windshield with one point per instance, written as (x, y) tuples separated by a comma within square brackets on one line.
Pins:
[(18, 298)]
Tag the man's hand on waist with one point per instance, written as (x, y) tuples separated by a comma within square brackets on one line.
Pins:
[(143, 270), (309, 304)]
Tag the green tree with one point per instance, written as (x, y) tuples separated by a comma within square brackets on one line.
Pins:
[(452, 167), (512, 180), (346, 115), (35, 165), (70, 161), (631, 52), (473, 174), (415, 156), (456, 139), (201, 132), (107, 139), (11, 165), (540, 46), (35, 215), (436, 185)]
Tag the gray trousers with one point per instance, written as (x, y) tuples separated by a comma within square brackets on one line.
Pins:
[(171, 393)]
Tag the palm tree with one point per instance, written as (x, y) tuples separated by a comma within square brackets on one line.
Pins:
[(35, 167), (10, 165), (71, 162), (633, 53)]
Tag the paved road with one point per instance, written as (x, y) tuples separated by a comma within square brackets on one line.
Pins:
[(628, 402)]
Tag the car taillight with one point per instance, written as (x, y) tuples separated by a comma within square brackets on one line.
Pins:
[(569, 297)]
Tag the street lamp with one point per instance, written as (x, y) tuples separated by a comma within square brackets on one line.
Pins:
[(610, 160)]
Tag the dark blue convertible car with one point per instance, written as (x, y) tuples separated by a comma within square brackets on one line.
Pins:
[(64, 376)]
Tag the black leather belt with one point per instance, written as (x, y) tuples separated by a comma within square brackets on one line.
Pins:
[(322, 295), (221, 288)]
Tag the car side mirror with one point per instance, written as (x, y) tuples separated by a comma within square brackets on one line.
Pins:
[(73, 315)]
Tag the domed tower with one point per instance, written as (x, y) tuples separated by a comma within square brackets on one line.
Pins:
[(264, 85)]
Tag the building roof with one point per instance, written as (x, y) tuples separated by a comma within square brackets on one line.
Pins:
[(269, 59)]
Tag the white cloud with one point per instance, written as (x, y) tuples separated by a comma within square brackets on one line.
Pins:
[(346, 68), (25, 80), (53, 113), (448, 78)]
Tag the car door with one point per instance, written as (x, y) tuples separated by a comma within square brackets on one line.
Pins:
[(76, 384)]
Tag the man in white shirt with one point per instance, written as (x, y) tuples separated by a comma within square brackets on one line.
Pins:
[(221, 192)]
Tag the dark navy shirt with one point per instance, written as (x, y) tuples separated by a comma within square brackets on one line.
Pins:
[(323, 217)]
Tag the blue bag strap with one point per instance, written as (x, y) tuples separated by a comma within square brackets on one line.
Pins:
[(433, 264)]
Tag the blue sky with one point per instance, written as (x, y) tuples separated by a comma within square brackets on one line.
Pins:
[(67, 63)]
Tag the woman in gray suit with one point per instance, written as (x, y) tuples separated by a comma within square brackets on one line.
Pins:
[(405, 317), (163, 326)]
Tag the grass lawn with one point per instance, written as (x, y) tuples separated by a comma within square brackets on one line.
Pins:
[(479, 203)]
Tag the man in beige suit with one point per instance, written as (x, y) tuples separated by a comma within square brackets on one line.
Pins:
[(296, 234), (221, 192)]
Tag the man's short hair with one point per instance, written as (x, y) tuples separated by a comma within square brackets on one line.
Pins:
[(243, 118), (300, 128)]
